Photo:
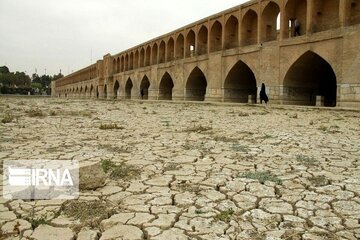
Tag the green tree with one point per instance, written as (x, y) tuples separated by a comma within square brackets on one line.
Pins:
[(4, 70), (21, 79), (57, 76), (45, 81)]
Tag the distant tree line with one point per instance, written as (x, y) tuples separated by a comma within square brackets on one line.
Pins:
[(21, 83)]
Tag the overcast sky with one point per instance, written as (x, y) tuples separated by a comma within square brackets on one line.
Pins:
[(67, 34)]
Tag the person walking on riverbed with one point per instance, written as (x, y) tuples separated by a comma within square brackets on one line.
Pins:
[(263, 96)]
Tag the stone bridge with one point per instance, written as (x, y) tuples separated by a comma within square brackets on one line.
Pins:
[(227, 56)]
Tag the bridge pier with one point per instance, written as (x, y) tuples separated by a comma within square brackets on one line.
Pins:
[(214, 95), (153, 94)]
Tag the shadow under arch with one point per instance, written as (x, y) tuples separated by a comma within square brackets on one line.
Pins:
[(128, 87), (116, 89), (144, 86), (196, 84), (105, 91), (308, 77), (91, 90), (240, 83), (165, 87)]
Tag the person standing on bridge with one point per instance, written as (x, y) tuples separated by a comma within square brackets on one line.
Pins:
[(263, 96), (297, 27)]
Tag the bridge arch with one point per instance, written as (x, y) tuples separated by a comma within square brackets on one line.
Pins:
[(131, 64), (354, 12), (269, 21), (154, 54), (118, 65), (144, 85), (196, 85), (231, 33), (179, 47), (326, 15), (162, 52), (148, 56), (202, 40), (116, 89), (310, 76), (170, 49), (190, 44), (142, 57), (216, 37), (91, 90), (136, 59), (249, 28), (240, 83), (295, 9), (122, 63), (105, 91), (126, 62), (128, 87), (114, 66), (165, 87), (86, 91)]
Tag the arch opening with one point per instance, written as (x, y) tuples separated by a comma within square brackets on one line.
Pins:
[(147, 56), (128, 88), (136, 59), (179, 47), (126, 62), (196, 84), (144, 86), (154, 54), (249, 28), (116, 89), (142, 57), (170, 50), (165, 88), (162, 52), (295, 9), (105, 91), (97, 92), (239, 84), (310, 76), (326, 15), (122, 64), (216, 37), (354, 12), (269, 22), (114, 66), (232, 33), (131, 63), (202, 41), (91, 90), (190, 44)]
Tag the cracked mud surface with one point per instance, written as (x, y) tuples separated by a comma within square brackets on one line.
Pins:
[(205, 171)]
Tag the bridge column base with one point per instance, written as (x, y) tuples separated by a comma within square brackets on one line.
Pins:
[(320, 101), (252, 99), (153, 94)]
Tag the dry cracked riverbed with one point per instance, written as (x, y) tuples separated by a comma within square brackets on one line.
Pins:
[(188, 171)]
